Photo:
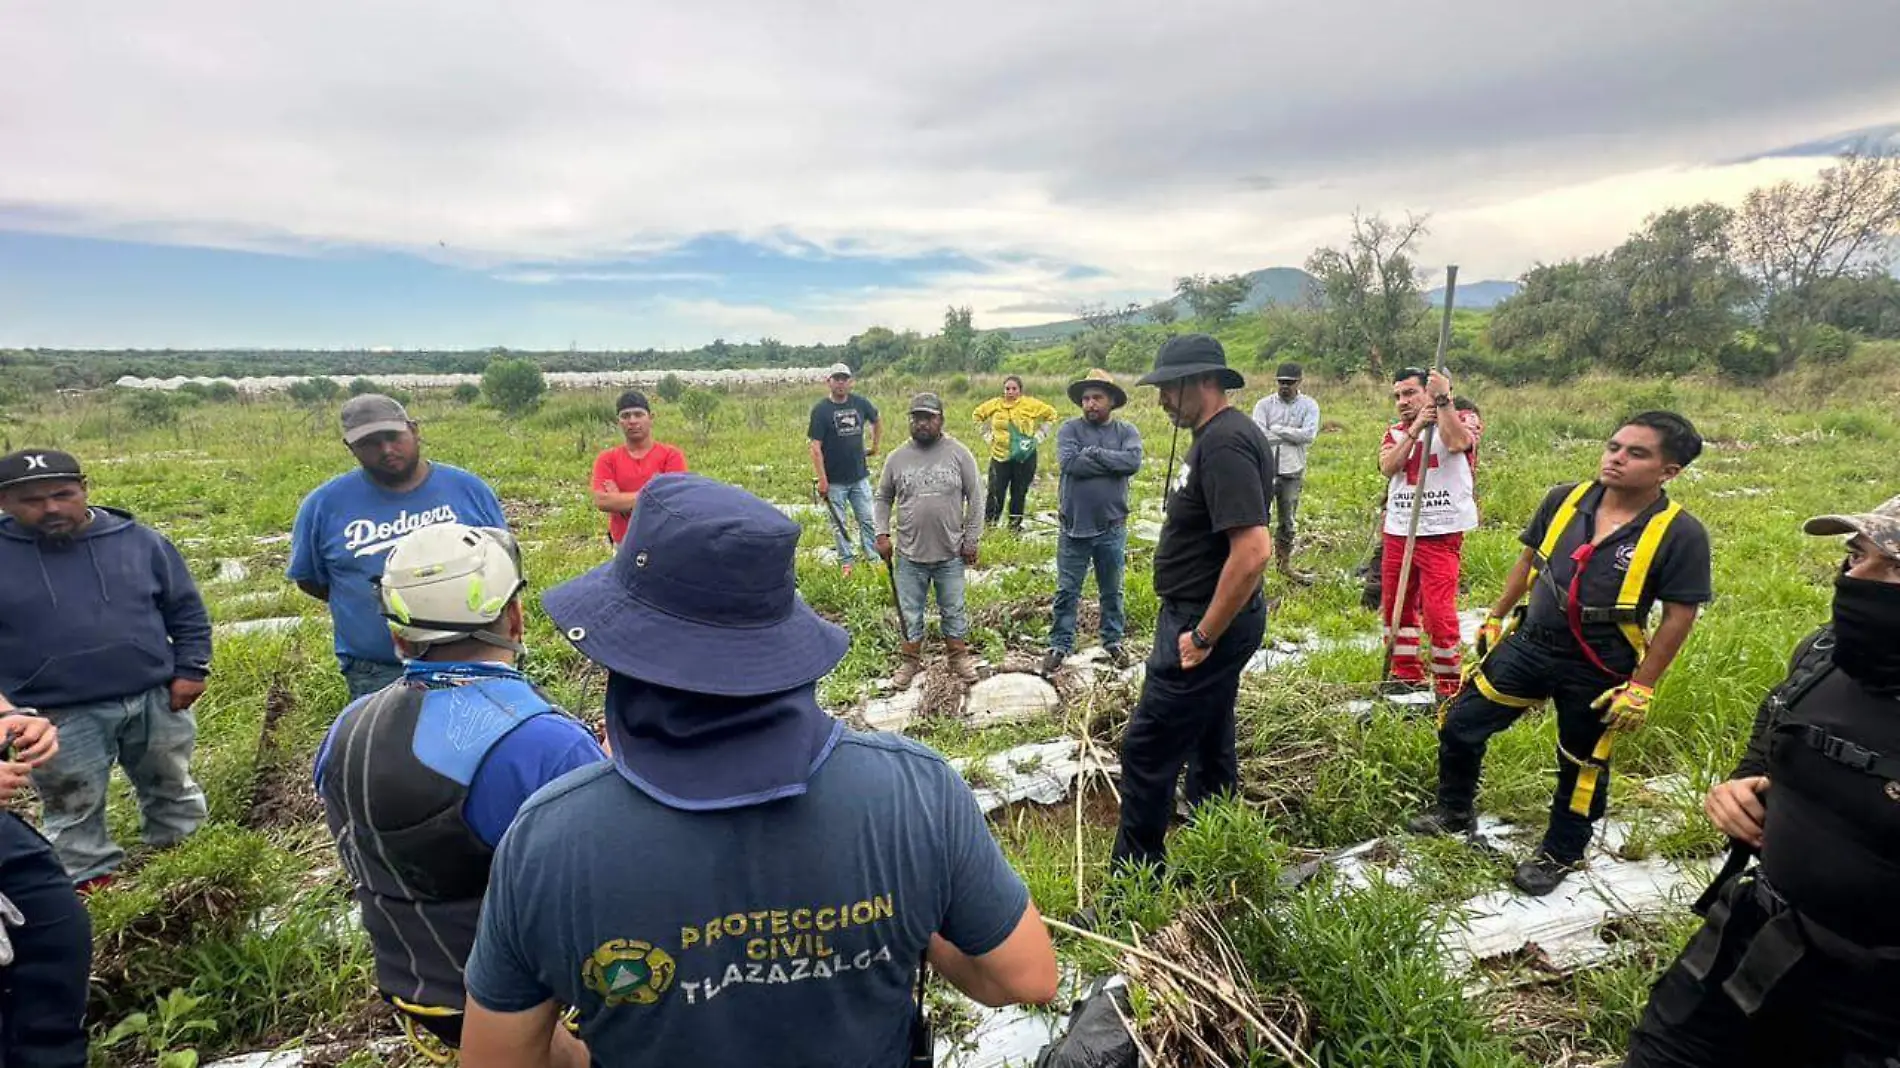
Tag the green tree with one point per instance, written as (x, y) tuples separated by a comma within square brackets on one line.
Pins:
[(1662, 301), (1164, 313), (1213, 298), (513, 386), (466, 393), (878, 348), (671, 389), (1371, 292), (360, 386), (1791, 237), (991, 350), (959, 339), (1684, 290)]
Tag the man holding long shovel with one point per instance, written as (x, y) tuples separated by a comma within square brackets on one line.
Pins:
[(1429, 456), (932, 485)]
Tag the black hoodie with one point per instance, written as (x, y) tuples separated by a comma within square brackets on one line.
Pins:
[(111, 613)]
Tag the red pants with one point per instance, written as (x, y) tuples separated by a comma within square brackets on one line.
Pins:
[(1431, 590)]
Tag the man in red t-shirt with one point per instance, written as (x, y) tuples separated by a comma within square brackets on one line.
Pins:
[(620, 473)]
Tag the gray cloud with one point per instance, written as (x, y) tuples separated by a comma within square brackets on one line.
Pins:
[(1147, 139)]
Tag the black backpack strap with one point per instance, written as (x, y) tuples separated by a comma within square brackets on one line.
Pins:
[(1813, 661), (1739, 854)]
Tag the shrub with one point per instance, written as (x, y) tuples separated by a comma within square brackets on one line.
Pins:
[(151, 407), (467, 393), (360, 386), (1826, 344), (222, 392), (702, 409), (513, 387), (1745, 358), (671, 389)]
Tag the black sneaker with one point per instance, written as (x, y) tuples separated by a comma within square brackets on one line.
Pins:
[(1441, 822), (1541, 874), (1052, 661), (1118, 656)]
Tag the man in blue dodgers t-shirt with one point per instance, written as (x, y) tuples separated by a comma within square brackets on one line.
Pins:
[(420, 779), (346, 525), (747, 882)]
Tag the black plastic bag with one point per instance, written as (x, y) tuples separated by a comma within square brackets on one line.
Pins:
[(1096, 1037)]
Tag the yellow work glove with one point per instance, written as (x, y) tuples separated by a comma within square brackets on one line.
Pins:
[(1488, 636), (1627, 706)]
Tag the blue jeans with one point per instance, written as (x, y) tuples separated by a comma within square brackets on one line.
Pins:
[(152, 743), (913, 591), (365, 677), (1108, 552), (858, 495)]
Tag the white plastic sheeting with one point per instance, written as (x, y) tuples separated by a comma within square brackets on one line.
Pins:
[(1042, 772), (1565, 929)]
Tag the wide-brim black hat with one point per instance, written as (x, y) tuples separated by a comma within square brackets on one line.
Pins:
[(1117, 396), (1192, 354)]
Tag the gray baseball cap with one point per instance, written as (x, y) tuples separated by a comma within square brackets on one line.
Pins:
[(926, 402), (372, 413), (1880, 526)]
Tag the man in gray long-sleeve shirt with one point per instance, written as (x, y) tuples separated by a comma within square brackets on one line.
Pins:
[(933, 482), (1097, 455), (1290, 420)]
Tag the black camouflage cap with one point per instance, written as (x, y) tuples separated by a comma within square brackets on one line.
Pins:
[(37, 465), (1880, 526)]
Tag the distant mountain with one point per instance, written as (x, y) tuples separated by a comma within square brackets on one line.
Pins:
[(1477, 295), (1271, 285), (1871, 141)]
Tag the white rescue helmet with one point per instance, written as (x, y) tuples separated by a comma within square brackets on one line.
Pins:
[(448, 582)]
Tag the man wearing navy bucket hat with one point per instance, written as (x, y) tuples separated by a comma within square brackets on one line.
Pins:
[(747, 881)]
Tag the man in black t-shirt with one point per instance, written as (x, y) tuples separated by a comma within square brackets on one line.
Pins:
[(1214, 547), (1598, 556), (836, 436)]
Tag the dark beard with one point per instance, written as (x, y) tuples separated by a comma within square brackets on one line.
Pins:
[(378, 475), (924, 442)]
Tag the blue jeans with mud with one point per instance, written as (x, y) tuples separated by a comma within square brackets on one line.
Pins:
[(1107, 552), (139, 733), (914, 581)]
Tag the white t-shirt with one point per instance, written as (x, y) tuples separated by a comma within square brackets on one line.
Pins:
[(1451, 505)]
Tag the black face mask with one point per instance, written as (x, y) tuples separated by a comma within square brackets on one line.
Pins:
[(1867, 633)]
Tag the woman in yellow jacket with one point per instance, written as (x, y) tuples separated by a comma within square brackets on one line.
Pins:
[(1016, 426)]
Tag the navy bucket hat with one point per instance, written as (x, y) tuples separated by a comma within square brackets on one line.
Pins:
[(709, 646)]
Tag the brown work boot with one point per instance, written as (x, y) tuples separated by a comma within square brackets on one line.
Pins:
[(910, 662), (962, 665), (1283, 558)]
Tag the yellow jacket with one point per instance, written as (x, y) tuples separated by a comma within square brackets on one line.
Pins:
[(1011, 422)]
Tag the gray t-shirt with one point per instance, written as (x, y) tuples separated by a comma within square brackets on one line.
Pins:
[(786, 933), (937, 493)]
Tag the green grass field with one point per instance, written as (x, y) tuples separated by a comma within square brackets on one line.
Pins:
[(224, 482)]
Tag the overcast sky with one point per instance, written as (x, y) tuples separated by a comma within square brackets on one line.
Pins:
[(228, 172)]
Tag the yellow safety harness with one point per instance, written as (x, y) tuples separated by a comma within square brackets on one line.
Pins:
[(1629, 598), (1624, 614)]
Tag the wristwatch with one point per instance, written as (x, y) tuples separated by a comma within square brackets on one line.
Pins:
[(1200, 640), (17, 711), (1440, 400)]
